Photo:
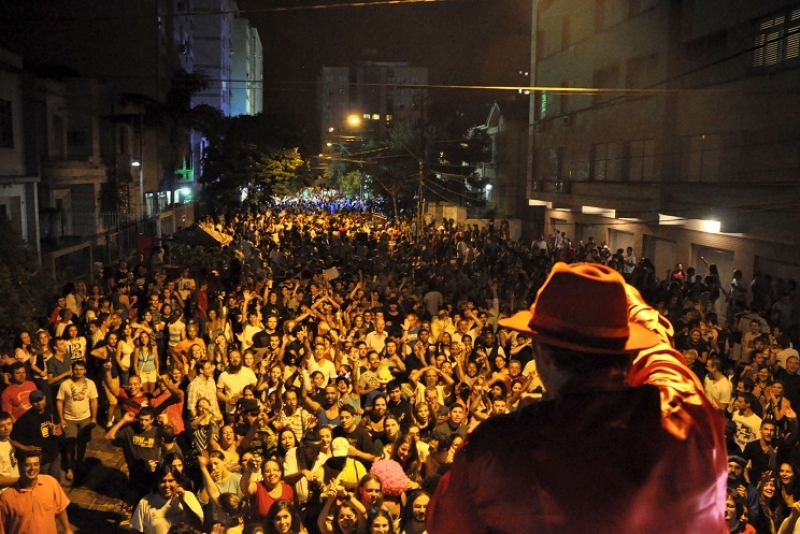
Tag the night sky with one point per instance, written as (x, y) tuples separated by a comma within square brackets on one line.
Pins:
[(462, 42)]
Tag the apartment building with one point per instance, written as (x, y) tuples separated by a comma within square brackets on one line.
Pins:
[(671, 127), (364, 101)]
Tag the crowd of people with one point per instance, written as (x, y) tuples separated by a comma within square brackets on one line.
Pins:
[(323, 381)]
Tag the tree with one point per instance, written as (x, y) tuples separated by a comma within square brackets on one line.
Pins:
[(352, 183), (253, 158), (27, 289)]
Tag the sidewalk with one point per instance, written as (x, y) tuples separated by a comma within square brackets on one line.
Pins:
[(96, 497)]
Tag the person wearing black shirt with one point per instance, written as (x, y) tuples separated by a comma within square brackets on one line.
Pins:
[(38, 429), (398, 406)]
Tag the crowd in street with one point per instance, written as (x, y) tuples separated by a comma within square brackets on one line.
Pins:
[(324, 379)]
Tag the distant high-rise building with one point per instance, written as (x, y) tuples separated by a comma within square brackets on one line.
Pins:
[(247, 70), (213, 51), (365, 100)]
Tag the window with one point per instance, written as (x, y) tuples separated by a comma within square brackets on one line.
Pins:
[(601, 14), (642, 71), (640, 160), (700, 157), (123, 140), (6, 125), (600, 161), (777, 39), (566, 32), (562, 168), (606, 161), (541, 43), (76, 139), (607, 78)]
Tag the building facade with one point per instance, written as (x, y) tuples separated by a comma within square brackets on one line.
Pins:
[(247, 72), (361, 102), (669, 127), (19, 173)]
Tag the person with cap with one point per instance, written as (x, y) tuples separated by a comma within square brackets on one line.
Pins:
[(383, 377), (738, 482), (301, 463), (39, 430), (341, 469), (621, 408)]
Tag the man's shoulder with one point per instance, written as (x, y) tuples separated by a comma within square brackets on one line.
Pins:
[(752, 449)]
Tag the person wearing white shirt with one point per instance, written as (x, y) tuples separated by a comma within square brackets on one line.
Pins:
[(232, 382)]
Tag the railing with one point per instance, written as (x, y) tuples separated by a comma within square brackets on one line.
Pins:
[(72, 256)]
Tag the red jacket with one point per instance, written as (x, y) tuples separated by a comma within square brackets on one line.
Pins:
[(602, 457)]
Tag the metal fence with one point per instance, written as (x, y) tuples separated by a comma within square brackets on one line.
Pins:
[(120, 237)]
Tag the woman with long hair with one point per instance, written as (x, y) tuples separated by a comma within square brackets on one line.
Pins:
[(349, 517), (374, 421), (176, 328), (381, 523), (270, 384), (283, 518), (24, 352), (76, 343), (232, 509), (41, 353), (768, 519), (405, 453), (146, 324), (348, 395), (145, 362), (286, 440), (370, 493), (391, 426), (125, 347), (788, 487), (443, 345), (107, 352)]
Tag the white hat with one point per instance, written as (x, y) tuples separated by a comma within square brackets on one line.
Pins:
[(339, 447)]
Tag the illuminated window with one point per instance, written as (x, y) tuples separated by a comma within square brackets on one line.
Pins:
[(777, 38)]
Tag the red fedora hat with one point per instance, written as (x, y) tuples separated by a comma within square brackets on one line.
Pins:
[(583, 307)]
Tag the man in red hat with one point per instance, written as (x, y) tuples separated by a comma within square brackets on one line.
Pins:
[(623, 441)]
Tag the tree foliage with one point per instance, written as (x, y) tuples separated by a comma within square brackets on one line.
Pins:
[(251, 156), (26, 288), (352, 184)]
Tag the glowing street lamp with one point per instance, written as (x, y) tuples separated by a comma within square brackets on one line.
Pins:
[(137, 163), (354, 120)]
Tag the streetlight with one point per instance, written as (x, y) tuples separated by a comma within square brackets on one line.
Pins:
[(138, 163), (354, 120)]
